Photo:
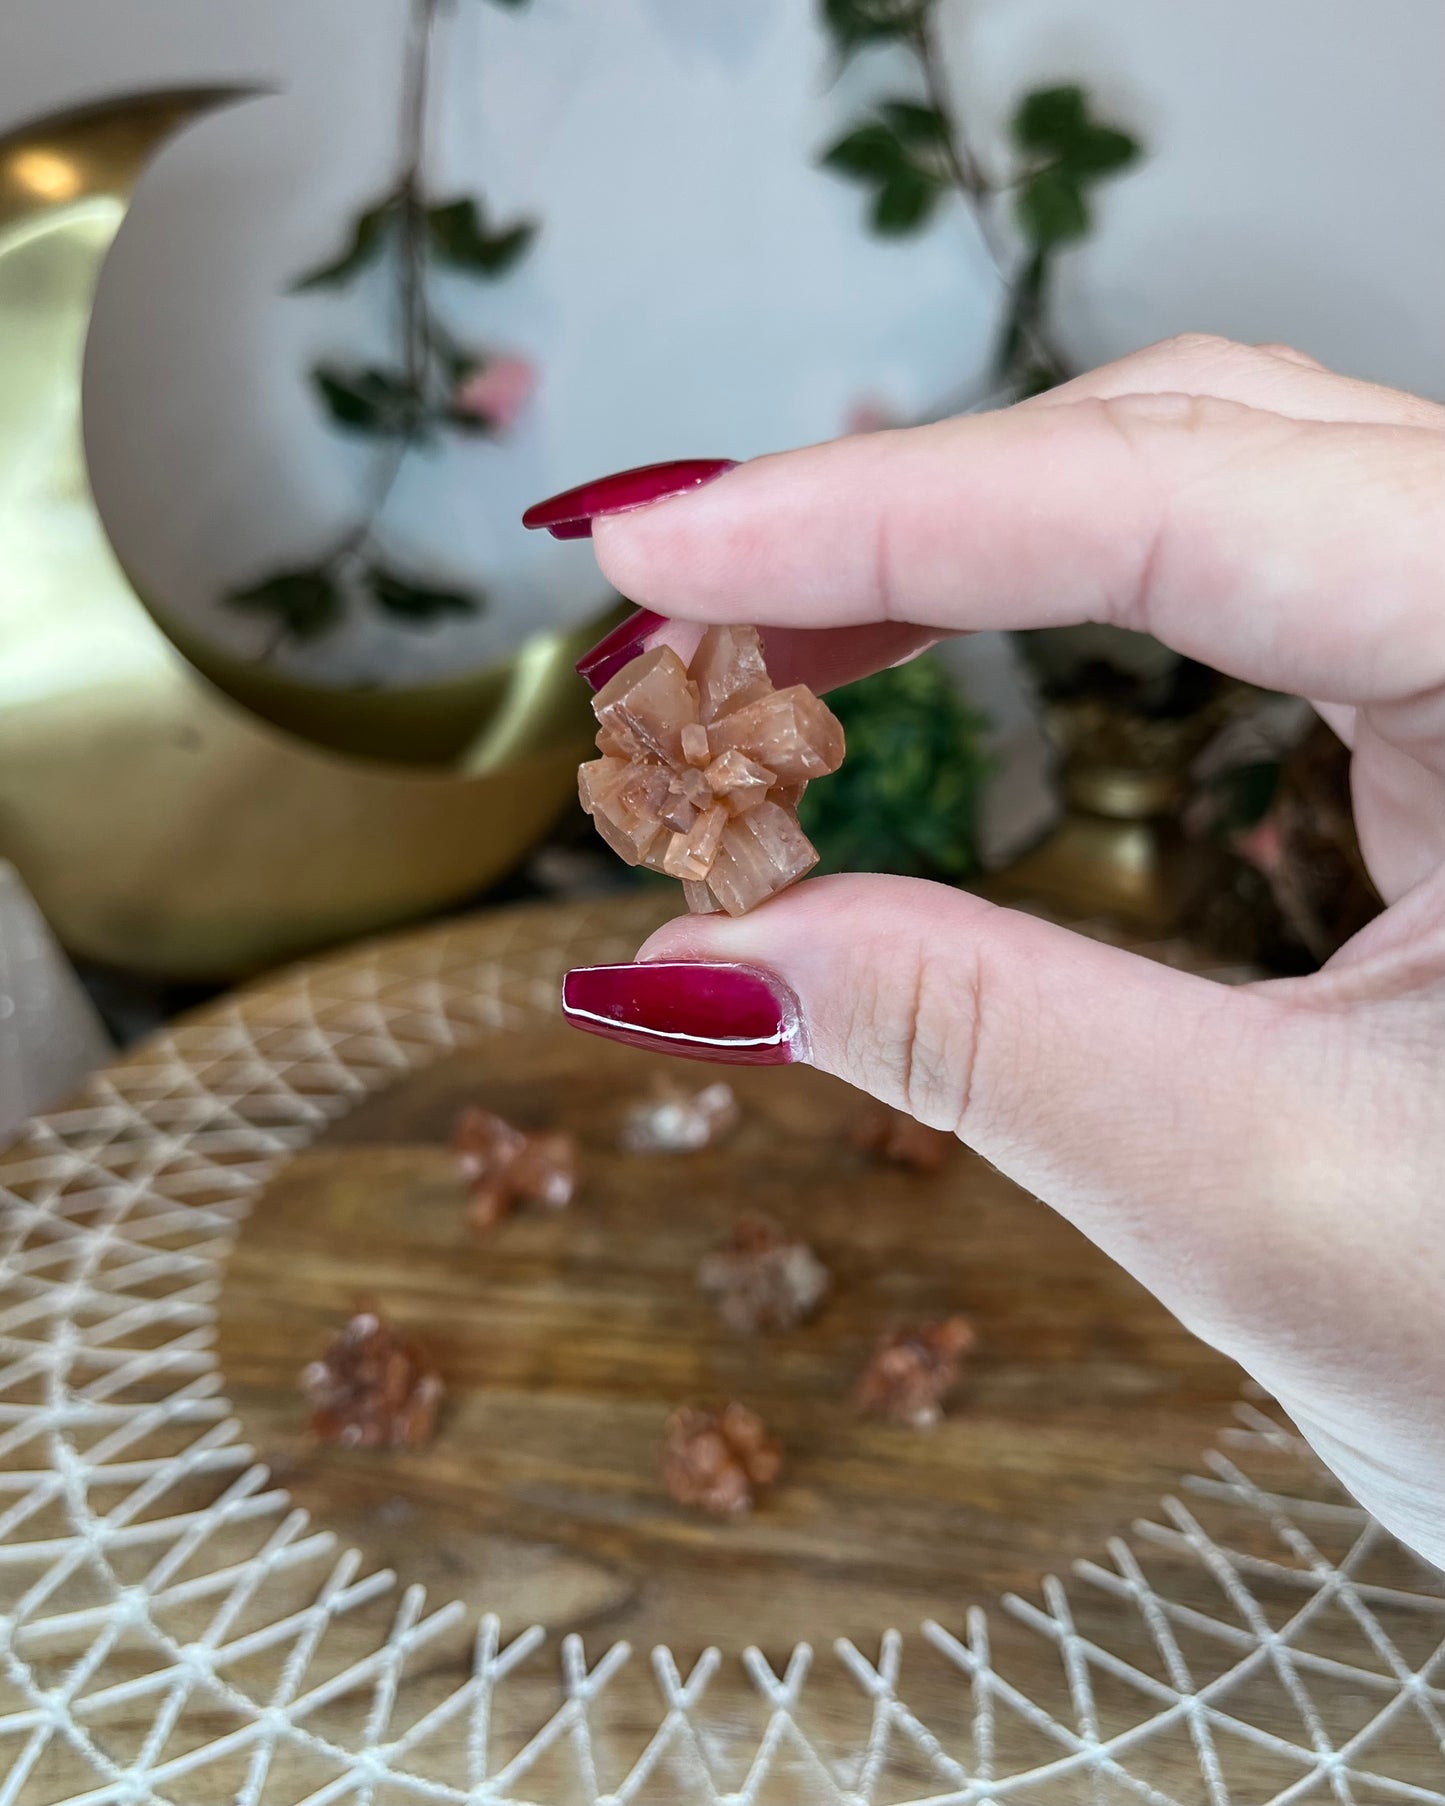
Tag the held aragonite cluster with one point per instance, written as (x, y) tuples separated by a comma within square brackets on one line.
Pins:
[(702, 768)]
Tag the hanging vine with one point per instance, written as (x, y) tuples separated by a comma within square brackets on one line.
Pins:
[(434, 384), (914, 150), (914, 750)]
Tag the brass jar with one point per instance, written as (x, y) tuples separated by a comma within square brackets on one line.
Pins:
[(1119, 852)]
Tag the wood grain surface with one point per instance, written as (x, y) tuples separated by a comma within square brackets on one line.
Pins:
[(566, 1338)]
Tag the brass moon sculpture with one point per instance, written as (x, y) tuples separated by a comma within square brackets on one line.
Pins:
[(197, 825)]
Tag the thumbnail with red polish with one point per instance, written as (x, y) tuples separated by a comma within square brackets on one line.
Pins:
[(700, 1010), (570, 515), (618, 648)]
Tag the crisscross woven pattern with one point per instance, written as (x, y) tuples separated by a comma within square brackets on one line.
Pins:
[(172, 1630)]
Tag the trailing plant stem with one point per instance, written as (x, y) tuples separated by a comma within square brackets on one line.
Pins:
[(413, 316), (979, 193), (412, 263)]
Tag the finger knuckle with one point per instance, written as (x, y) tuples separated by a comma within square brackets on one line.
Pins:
[(1204, 357), (914, 1029), (1289, 354), (1199, 347), (1148, 424), (1137, 416)]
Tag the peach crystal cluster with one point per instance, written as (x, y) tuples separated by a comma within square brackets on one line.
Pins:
[(718, 1460), (702, 768), (762, 1278), (675, 1119), (504, 1166), (372, 1388), (913, 1370), (894, 1135)]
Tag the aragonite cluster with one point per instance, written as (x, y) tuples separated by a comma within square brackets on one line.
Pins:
[(372, 1389), (505, 1166), (702, 769), (912, 1371), (763, 1279), (677, 1119), (718, 1461), (894, 1136)]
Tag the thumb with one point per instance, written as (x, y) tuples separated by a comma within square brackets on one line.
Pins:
[(1131, 1097), (1238, 1149), (1194, 1131), (1208, 1137)]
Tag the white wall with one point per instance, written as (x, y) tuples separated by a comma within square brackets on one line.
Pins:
[(698, 287)]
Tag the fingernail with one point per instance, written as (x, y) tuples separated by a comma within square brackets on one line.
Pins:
[(570, 515), (618, 648), (732, 1014)]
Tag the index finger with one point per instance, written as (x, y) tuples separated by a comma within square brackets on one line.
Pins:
[(1301, 554)]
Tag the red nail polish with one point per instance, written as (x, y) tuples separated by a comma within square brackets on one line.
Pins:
[(702, 1011), (570, 515), (618, 648)]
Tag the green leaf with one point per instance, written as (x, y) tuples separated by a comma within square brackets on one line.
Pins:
[(916, 124), (904, 202), (1029, 288), (404, 600), (1055, 123), (1048, 119), (908, 795), (854, 23), (1035, 379), (870, 153), (461, 237), (1052, 209), (474, 426), (1246, 793), (905, 194), (369, 233), (1101, 150), (458, 363), (306, 602), (369, 400)]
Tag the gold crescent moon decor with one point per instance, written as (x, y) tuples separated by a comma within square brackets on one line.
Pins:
[(163, 824)]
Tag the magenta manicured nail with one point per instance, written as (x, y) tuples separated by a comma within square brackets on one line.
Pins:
[(618, 648), (702, 1011), (570, 515)]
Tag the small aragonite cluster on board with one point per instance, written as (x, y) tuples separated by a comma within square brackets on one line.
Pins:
[(375, 1389), (675, 1119), (718, 1460), (894, 1136), (762, 1278), (702, 769), (372, 1389), (505, 1166), (912, 1371)]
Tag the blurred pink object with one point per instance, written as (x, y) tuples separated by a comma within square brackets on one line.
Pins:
[(870, 414), (1262, 845), (498, 392)]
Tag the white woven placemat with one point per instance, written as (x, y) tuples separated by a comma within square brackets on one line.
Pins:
[(172, 1630)]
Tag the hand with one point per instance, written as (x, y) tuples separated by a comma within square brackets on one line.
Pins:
[(1268, 1159)]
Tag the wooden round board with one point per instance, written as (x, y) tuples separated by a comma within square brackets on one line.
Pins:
[(565, 1338)]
